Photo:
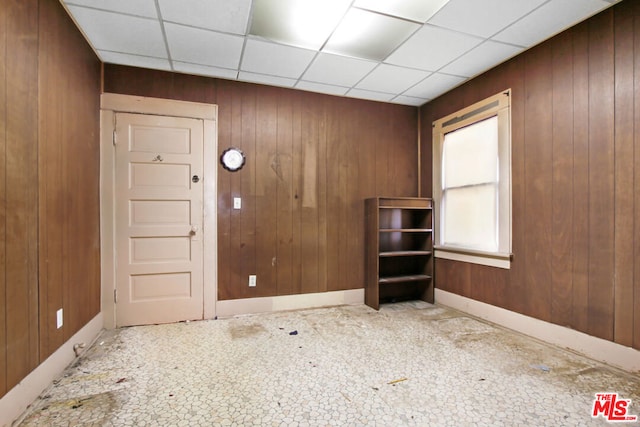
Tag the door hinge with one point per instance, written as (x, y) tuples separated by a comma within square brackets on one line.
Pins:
[(114, 137), (115, 296)]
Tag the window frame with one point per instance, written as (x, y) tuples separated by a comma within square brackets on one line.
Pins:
[(497, 105)]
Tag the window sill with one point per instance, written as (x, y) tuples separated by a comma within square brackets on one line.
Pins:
[(492, 259)]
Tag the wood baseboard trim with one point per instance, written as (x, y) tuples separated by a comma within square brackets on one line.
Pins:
[(14, 404), (613, 354), (229, 308)]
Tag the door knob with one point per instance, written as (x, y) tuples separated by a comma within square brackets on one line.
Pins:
[(194, 230)]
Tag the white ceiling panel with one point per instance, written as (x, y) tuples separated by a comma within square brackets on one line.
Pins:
[(338, 70), (135, 60), (415, 10), (204, 47), (145, 8), (548, 20), (267, 80), (481, 58), (482, 18), (373, 96), (431, 48), (321, 88), (220, 15), (203, 70), (274, 59), (391, 79), (409, 100), (121, 33), (370, 49), (434, 85)]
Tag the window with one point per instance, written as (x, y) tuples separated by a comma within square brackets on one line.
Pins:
[(472, 183)]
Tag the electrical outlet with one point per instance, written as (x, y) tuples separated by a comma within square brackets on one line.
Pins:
[(237, 203), (59, 319), (252, 280)]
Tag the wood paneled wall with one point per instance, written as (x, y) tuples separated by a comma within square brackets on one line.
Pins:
[(311, 161), (575, 179), (49, 183)]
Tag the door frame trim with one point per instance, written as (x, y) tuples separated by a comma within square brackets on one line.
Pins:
[(110, 104)]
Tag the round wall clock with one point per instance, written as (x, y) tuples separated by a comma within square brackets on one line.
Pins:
[(232, 159)]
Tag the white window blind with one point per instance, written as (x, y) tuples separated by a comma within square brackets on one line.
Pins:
[(470, 186)]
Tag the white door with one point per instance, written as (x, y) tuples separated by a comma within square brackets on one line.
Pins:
[(159, 217)]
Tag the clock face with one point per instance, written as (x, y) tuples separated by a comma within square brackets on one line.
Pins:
[(232, 159)]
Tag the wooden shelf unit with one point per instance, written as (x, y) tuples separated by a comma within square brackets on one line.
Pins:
[(399, 249)]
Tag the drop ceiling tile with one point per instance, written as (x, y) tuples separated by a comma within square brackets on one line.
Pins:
[(276, 60), (140, 7), (134, 35), (409, 100), (134, 60), (264, 79), (549, 20), (482, 18), (338, 70), (372, 96), (203, 47), (219, 15), (321, 88), (431, 48), (434, 86), (301, 23), (203, 70), (481, 58), (415, 10), (391, 79), (368, 35)]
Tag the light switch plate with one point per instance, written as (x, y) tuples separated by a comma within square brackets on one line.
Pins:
[(237, 203), (252, 280), (59, 319)]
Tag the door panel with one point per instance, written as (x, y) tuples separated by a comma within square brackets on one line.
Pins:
[(160, 212), (159, 275)]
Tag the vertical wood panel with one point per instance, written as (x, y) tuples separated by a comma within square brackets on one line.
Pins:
[(406, 163), (601, 176), (383, 184), (323, 190), (4, 9), (581, 231), (266, 184), (247, 177), (514, 75), (353, 258), (335, 191), (309, 218), (238, 280), (562, 186), (21, 191), (284, 193), (224, 193), (635, 12), (296, 191), (488, 284), (624, 172), (538, 181), (51, 208), (68, 179)]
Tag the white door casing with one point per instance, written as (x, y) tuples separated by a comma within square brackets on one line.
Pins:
[(158, 225)]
